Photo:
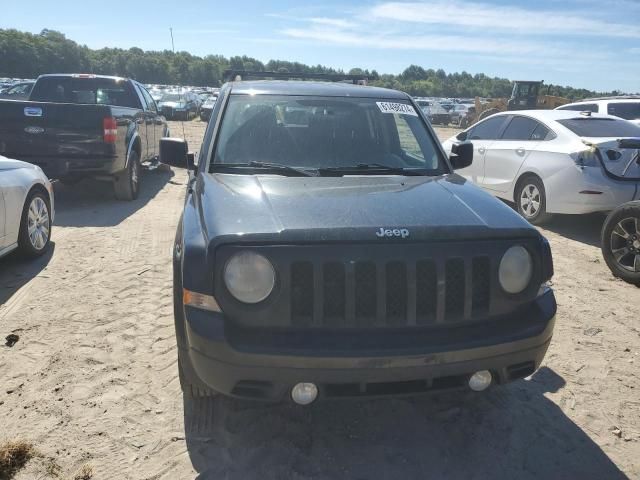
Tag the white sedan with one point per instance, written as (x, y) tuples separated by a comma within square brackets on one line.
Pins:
[(26, 208), (554, 161)]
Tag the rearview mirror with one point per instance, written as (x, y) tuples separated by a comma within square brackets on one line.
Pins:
[(461, 155), (175, 152)]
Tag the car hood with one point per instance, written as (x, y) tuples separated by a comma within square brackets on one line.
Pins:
[(11, 164), (268, 208)]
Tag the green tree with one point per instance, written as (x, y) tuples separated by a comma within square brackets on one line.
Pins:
[(27, 55)]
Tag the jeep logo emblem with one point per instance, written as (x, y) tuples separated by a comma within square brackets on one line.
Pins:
[(392, 232)]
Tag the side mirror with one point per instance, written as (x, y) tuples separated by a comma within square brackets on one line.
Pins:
[(461, 155), (175, 152), (462, 136)]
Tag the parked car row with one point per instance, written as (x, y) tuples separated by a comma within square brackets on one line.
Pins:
[(183, 103), (444, 111), (428, 282), (17, 91)]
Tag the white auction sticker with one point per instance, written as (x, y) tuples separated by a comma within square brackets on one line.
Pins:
[(401, 108)]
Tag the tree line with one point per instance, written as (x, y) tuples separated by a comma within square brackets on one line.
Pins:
[(27, 55)]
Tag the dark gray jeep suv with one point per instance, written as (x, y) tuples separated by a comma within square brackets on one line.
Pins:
[(328, 249)]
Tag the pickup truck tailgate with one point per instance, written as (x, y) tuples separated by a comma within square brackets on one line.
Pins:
[(29, 130)]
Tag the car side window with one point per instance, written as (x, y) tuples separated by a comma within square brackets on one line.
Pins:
[(542, 133), (583, 107), (520, 128), (487, 130), (149, 100), (143, 100)]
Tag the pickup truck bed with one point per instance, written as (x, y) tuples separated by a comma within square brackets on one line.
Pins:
[(61, 138)]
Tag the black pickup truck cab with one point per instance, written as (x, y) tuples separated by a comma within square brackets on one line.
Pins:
[(75, 126), (328, 249)]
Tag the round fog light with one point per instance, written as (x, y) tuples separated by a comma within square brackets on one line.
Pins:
[(304, 393), (480, 380)]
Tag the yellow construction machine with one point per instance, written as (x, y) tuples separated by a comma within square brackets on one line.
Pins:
[(524, 96)]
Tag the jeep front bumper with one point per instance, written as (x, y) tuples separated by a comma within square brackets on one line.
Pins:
[(266, 365)]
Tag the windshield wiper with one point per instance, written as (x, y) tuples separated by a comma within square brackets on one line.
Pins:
[(253, 165), (370, 169)]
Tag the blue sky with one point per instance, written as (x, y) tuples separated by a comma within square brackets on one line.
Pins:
[(593, 44)]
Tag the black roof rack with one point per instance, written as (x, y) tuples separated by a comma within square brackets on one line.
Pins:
[(239, 75)]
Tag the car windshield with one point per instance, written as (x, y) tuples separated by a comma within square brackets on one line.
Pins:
[(172, 97), (326, 132), (601, 127)]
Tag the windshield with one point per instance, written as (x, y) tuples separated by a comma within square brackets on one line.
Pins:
[(601, 127), (626, 110), (172, 97), (325, 132)]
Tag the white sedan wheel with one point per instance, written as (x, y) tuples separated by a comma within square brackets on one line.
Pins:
[(530, 200), (38, 223)]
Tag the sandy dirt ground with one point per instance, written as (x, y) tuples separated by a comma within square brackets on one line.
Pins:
[(93, 378)]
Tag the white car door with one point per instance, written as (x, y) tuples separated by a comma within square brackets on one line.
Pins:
[(12, 195), (482, 135), (505, 156), (3, 216)]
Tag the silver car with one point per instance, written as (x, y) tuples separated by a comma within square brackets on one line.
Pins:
[(555, 161), (26, 208)]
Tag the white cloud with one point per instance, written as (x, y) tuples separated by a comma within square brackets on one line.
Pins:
[(501, 18), (443, 43), (332, 22)]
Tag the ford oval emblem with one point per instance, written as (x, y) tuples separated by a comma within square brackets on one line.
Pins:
[(34, 130), (32, 112)]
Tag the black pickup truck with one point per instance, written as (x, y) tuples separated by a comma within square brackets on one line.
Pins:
[(328, 249), (77, 125)]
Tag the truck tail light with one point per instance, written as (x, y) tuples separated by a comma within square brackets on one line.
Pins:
[(110, 130)]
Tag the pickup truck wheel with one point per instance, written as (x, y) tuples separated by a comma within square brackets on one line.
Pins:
[(531, 201), (35, 225), (189, 382), (621, 242), (127, 184)]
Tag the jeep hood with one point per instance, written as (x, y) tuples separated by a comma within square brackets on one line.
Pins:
[(269, 208)]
